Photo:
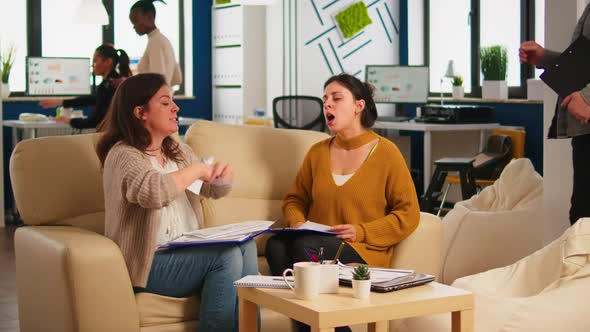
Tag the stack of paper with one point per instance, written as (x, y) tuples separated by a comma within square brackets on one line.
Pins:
[(377, 274), (230, 233)]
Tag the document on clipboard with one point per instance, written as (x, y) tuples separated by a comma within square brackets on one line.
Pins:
[(570, 72)]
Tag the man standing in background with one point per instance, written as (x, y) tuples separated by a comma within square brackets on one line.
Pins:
[(572, 114), (158, 56)]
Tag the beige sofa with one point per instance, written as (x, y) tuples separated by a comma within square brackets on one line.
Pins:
[(72, 278)]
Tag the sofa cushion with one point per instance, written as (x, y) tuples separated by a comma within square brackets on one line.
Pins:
[(265, 163), (157, 310), (57, 180)]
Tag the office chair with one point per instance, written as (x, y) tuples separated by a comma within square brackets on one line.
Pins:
[(298, 112), (476, 172)]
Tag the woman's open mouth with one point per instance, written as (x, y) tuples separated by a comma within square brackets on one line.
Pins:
[(330, 118)]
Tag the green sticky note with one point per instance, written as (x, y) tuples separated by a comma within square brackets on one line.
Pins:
[(353, 19), (222, 2)]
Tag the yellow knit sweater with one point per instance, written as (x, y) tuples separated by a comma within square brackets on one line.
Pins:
[(379, 199)]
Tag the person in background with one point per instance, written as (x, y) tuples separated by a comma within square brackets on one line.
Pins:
[(357, 182), (570, 119), (146, 174), (158, 56), (113, 66)]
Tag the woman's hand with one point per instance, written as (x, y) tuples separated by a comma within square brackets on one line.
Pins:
[(50, 103), (221, 171), (345, 232), (64, 119), (204, 171)]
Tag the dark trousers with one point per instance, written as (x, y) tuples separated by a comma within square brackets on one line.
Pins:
[(580, 202), (284, 249)]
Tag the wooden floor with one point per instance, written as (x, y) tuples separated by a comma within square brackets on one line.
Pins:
[(8, 306)]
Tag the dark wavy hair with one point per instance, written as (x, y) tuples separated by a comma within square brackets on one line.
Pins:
[(119, 57), (121, 125), (146, 6), (360, 90)]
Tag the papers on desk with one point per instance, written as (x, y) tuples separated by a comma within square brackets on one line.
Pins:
[(256, 281), (238, 233)]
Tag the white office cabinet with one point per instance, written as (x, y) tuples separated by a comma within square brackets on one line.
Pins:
[(239, 63)]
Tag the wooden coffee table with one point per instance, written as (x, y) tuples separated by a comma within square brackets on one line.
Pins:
[(332, 310)]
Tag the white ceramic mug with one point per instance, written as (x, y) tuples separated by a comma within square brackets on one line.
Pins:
[(307, 279), (329, 280)]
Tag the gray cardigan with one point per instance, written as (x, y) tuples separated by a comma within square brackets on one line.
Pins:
[(134, 194), (564, 124)]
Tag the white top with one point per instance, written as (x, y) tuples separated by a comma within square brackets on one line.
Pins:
[(341, 179), (158, 57), (177, 217)]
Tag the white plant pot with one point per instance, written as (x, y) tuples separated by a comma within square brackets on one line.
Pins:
[(458, 92), (361, 288), (494, 90), (5, 90)]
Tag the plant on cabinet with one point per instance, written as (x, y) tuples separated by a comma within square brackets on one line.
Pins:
[(458, 90), (494, 62)]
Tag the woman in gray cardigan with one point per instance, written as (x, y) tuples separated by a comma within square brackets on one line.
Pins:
[(148, 202)]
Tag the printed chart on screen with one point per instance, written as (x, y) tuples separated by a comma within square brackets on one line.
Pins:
[(398, 84), (58, 76)]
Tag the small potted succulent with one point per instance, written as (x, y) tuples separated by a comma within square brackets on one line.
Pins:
[(458, 90), (361, 282)]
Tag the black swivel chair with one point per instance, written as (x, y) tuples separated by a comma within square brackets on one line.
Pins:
[(299, 112)]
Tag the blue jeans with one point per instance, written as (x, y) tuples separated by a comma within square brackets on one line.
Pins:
[(207, 271)]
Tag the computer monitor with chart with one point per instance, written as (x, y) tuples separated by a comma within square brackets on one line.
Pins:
[(58, 76), (398, 84)]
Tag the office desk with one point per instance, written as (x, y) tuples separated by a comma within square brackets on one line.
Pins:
[(29, 128), (428, 128), (331, 310)]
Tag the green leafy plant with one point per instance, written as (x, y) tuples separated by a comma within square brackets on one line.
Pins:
[(6, 61), (494, 62), (361, 272), (457, 80), (353, 19)]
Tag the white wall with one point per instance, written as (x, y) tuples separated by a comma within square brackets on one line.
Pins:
[(295, 62), (560, 20)]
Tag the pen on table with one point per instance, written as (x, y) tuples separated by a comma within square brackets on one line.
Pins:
[(338, 252)]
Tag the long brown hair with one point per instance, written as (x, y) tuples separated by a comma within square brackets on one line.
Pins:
[(121, 125)]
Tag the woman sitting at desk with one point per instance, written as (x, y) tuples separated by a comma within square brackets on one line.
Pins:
[(146, 175), (357, 182), (113, 66)]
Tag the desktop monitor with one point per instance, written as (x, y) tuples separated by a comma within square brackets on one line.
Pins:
[(58, 76), (398, 84)]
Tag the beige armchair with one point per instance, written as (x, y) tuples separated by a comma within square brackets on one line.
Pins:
[(72, 278)]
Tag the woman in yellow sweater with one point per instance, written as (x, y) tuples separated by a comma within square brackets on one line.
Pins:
[(356, 181)]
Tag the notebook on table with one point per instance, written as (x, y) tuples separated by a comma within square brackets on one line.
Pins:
[(256, 281)]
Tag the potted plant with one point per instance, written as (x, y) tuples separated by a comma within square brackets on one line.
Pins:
[(6, 61), (361, 281), (458, 91), (494, 62)]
